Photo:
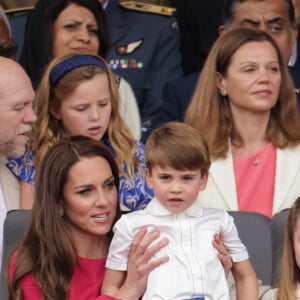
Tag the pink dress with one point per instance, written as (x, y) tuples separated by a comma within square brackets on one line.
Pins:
[(255, 179), (85, 283)]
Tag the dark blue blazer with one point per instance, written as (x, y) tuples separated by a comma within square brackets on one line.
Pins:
[(198, 22), (297, 62), (145, 51), (178, 94), (295, 73)]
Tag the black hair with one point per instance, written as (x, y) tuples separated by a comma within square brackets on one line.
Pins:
[(229, 10)]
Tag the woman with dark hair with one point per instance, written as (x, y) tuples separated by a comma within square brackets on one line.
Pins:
[(39, 40), (63, 253), (60, 27)]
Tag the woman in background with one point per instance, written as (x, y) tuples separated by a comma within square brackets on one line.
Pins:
[(245, 107)]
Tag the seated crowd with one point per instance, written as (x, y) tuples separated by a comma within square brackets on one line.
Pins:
[(127, 200)]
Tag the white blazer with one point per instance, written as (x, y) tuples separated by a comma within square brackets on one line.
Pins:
[(221, 189)]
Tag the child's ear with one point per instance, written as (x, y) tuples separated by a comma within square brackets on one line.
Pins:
[(204, 179), (148, 178)]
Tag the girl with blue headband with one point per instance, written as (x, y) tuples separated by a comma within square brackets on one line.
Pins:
[(78, 95)]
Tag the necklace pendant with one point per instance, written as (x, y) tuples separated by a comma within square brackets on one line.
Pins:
[(256, 162)]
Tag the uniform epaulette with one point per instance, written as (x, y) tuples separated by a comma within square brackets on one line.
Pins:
[(160, 7), (17, 10)]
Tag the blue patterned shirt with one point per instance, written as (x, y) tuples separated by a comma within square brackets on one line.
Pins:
[(133, 192)]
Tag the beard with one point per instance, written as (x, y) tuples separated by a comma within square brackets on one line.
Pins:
[(17, 150), (14, 148), (14, 144)]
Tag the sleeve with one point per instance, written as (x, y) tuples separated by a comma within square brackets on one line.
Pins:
[(232, 241), (198, 26), (134, 192), (120, 246), (165, 66), (188, 42), (129, 109), (171, 109), (23, 167), (34, 51), (177, 95)]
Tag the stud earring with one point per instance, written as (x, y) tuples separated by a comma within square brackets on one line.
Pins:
[(61, 212), (223, 93)]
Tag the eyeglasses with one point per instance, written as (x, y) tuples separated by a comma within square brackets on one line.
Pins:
[(9, 50)]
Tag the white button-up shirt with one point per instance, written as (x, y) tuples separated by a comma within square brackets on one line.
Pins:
[(193, 268)]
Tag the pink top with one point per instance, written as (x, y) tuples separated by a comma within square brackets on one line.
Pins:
[(85, 283), (255, 179)]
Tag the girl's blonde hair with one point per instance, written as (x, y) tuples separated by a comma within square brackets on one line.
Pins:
[(289, 275), (48, 130)]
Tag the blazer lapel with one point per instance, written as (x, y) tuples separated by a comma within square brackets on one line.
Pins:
[(10, 186), (222, 174)]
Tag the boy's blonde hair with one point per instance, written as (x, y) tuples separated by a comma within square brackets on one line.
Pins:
[(179, 146)]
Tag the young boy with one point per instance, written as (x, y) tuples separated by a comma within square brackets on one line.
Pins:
[(177, 161)]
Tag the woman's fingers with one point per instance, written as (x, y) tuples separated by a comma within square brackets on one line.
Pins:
[(140, 261), (146, 247), (223, 254)]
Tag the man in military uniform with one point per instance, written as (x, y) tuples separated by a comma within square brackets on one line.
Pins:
[(145, 51)]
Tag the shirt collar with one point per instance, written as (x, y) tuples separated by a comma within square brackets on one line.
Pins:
[(156, 209)]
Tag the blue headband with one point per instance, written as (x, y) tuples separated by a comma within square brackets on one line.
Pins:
[(72, 63)]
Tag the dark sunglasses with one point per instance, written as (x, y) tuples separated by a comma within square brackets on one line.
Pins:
[(9, 50)]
